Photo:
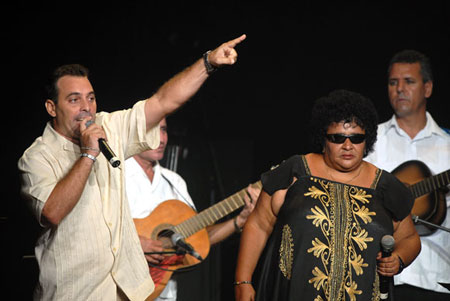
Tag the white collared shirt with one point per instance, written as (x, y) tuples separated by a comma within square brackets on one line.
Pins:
[(431, 146), (144, 196)]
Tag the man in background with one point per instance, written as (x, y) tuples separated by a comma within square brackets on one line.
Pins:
[(149, 184), (412, 134)]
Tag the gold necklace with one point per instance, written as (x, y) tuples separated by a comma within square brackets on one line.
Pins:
[(346, 182)]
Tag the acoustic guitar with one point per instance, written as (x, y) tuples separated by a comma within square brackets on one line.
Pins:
[(174, 216), (428, 191)]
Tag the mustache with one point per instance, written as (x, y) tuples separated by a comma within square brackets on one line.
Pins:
[(401, 95), (82, 116)]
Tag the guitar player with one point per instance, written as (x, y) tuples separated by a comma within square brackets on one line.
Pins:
[(149, 184), (412, 134)]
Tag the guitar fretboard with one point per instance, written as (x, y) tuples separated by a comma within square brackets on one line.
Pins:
[(430, 184), (214, 213)]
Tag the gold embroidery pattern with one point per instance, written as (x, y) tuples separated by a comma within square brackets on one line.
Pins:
[(376, 288), (286, 252), (339, 215)]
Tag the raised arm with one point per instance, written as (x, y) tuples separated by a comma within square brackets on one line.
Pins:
[(185, 84)]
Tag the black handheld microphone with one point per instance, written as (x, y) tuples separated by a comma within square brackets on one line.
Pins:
[(387, 246), (178, 240), (106, 150)]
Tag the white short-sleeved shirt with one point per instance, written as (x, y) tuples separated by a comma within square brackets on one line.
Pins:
[(431, 146), (144, 196), (95, 248)]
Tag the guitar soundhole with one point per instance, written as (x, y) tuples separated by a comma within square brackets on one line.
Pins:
[(166, 233), (163, 233)]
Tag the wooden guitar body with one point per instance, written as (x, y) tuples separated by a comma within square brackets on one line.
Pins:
[(174, 216), (429, 192), (167, 215)]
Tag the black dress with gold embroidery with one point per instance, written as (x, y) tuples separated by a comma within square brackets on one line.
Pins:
[(327, 235)]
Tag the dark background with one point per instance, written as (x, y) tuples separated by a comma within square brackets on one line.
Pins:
[(245, 119)]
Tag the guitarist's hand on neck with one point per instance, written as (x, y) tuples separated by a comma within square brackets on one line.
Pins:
[(219, 232), (250, 202)]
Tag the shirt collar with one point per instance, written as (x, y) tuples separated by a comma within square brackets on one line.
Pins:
[(431, 127), (135, 170), (56, 141)]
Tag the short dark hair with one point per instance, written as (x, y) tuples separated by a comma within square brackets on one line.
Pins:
[(347, 106), (409, 56), (71, 69)]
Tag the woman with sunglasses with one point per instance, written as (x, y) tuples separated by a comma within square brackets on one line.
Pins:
[(316, 230)]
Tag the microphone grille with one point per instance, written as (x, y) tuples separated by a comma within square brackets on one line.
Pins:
[(176, 237), (387, 242)]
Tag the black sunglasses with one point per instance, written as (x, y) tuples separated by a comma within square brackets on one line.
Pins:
[(340, 138)]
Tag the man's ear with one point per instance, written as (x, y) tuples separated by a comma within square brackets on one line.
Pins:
[(428, 88), (51, 107)]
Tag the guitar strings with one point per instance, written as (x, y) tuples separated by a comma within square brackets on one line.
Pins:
[(183, 269)]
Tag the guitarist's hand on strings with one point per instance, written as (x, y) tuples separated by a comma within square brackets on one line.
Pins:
[(150, 245)]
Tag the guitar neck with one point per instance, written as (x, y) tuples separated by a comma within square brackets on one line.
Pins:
[(430, 184), (214, 213)]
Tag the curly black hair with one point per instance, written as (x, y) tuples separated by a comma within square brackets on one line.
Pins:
[(347, 106)]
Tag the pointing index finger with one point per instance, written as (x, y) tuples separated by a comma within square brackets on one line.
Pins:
[(236, 41)]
